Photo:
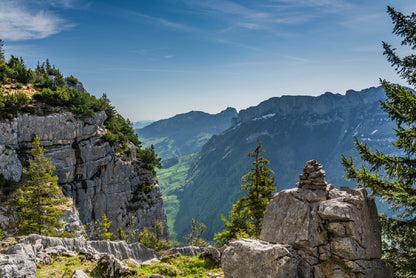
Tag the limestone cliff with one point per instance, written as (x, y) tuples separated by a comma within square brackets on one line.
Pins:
[(99, 180)]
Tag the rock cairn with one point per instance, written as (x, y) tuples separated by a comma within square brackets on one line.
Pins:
[(312, 231), (313, 176)]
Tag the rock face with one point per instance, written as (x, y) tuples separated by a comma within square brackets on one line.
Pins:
[(89, 170), (335, 233), (254, 258), (19, 261)]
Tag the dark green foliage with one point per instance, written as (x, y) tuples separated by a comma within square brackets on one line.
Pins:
[(15, 71), (119, 130), (11, 104), (19, 72), (48, 77), (38, 201), (246, 217), (393, 177), (71, 80), (82, 104), (154, 240), (1, 50), (7, 187), (149, 157)]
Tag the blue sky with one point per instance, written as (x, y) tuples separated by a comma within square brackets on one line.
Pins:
[(158, 58)]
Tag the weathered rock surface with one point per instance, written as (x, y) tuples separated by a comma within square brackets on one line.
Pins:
[(121, 250), (110, 266), (18, 263), (208, 254), (189, 251), (79, 274), (335, 233), (20, 260), (211, 254), (252, 258), (89, 170)]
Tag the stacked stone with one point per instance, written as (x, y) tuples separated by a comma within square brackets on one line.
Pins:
[(313, 176), (313, 231)]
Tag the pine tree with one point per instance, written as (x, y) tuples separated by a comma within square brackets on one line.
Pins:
[(1, 50), (40, 199), (246, 217), (105, 224), (393, 177)]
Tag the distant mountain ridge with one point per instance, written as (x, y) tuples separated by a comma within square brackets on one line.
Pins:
[(186, 133), (293, 129), (141, 124)]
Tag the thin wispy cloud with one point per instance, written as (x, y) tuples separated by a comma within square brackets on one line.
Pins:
[(19, 21), (267, 15), (299, 60), (132, 15), (19, 24), (68, 4)]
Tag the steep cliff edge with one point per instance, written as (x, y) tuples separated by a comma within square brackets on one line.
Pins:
[(99, 180)]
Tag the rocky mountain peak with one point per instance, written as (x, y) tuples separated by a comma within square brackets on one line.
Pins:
[(319, 105)]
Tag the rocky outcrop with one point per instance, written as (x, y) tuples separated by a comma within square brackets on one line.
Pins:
[(79, 274), (121, 250), (254, 258), (20, 260), (334, 233), (189, 251), (98, 179), (109, 266)]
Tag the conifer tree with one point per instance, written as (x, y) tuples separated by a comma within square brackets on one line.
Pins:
[(1, 50), (39, 199), (246, 217), (393, 177), (105, 224)]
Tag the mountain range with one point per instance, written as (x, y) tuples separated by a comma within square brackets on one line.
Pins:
[(293, 130), (185, 133)]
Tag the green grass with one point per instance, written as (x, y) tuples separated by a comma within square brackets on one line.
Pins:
[(62, 266), (169, 266), (165, 146), (187, 267), (171, 181)]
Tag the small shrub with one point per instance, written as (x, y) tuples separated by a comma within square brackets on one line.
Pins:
[(121, 235), (154, 240), (99, 229), (12, 104), (194, 237)]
